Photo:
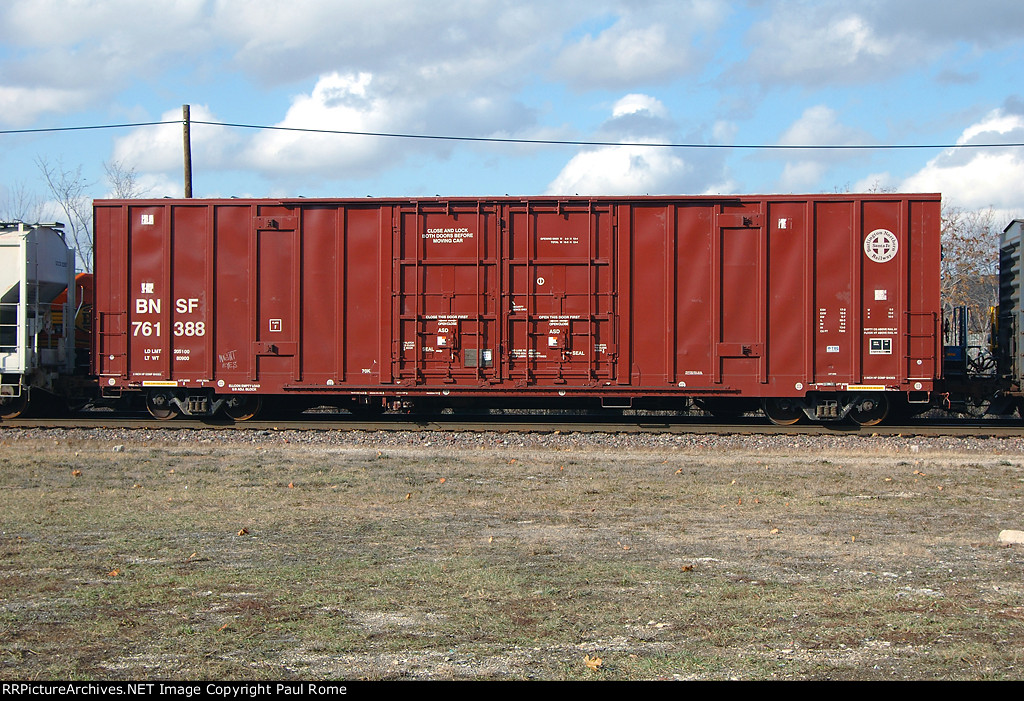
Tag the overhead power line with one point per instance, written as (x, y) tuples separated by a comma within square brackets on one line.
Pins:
[(572, 142), (536, 142), (86, 128)]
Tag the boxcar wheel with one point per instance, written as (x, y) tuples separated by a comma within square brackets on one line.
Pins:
[(870, 411), (13, 407), (782, 411), (242, 408), (159, 406)]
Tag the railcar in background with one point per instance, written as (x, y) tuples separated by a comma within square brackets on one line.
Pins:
[(1009, 331), (37, 347)]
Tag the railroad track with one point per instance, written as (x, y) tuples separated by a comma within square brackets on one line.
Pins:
[(533, 424)]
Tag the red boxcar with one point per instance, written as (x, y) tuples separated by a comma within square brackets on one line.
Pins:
[(823, 306)]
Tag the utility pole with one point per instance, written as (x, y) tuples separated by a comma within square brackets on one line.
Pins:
[(186, 126)]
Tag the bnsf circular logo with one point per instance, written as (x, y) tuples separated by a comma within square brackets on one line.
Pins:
[(881, 245)]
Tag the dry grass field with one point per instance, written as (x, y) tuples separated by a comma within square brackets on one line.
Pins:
[(315, 555)]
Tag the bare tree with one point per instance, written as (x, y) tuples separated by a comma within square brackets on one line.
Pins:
[(69, 190), (123, 181), (970, 262), (20, 204)]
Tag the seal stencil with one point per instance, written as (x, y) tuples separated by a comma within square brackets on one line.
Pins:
[(881, 245)]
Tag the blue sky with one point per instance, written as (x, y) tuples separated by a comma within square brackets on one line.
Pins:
[(764, 72)]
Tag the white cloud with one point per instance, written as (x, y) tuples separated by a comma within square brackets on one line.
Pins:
[(816, 47), (995, 123), (979, 177), (93, 49), (637, 169), (68, 23), (802, 175), (495, 68), (723, 131), (832, 42), (428, 46), (424, 50), (619, 170), (340, 102), (622, 56), (22, 106), (639, 104), (362, 103), (981, 22), (876, 182), (304, 146), (819, 125), (637, 49)]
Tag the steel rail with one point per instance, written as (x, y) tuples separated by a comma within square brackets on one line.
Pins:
[(532, 424)]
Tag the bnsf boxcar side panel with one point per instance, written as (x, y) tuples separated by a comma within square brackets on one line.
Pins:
[(924, 305), (110, 307), (276, 298), (560, 294), (167, 280), (651, 296), (687, 267), (149, 281), (739, 340), (232, 319), (191, 355), (791, 313), (368, 297), (446, 294), (777, 298), (836, 261)]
